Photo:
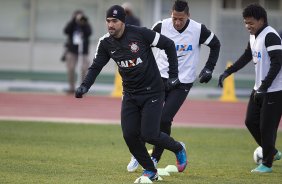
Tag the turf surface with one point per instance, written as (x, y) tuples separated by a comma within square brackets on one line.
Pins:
[(32, 152)]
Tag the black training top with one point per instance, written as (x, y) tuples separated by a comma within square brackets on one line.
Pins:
[(136, 62)]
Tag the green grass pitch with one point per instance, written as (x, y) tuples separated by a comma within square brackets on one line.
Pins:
[(32, 152)]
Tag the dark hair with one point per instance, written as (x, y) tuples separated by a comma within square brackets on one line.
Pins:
[(256, 11), (180, 6)]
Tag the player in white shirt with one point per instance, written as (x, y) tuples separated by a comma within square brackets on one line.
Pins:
[(264, 108), (188, 36)]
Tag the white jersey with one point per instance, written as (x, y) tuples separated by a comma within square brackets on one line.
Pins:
[(262, 59), (187, 47)]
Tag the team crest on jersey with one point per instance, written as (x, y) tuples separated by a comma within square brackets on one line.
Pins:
[(134, 47)]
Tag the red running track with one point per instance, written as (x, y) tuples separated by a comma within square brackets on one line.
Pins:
[(101, 109)]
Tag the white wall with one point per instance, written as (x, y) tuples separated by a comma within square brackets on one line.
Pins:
[(45, 52), (45, 57), (14, 55)]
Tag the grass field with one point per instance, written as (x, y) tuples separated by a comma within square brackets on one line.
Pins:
[(33, 152)]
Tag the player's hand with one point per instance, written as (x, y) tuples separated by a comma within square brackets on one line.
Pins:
[(205, 75), (80, 91), (221, 79), (259, 95), (172, 83)]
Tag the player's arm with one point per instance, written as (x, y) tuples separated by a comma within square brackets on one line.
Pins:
[(245, 58), (274, 49), (210, 39), (171, 82), (100, 60), (157, 27), (162, 42)]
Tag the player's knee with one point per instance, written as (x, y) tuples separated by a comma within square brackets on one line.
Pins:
[(249, 122), (149, 138), (166, 127), (166, 119), (128, 137)]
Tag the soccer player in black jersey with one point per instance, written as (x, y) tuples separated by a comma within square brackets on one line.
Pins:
[(264, 108), (143, 89)]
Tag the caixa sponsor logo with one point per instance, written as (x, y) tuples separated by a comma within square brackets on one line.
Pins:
[(129, 63), (183, 47), (256, 56)]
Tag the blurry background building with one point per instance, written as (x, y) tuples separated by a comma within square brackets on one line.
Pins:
[(31, 38)]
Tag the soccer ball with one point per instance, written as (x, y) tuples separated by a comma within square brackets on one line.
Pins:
[(258, 155)]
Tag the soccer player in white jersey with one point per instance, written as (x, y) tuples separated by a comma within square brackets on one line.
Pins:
[(188, 35), (265, 102)]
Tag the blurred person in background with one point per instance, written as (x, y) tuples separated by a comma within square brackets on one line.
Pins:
[(188, 36), (130, 17), (265, 103), (78, 31), (143, 89)]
